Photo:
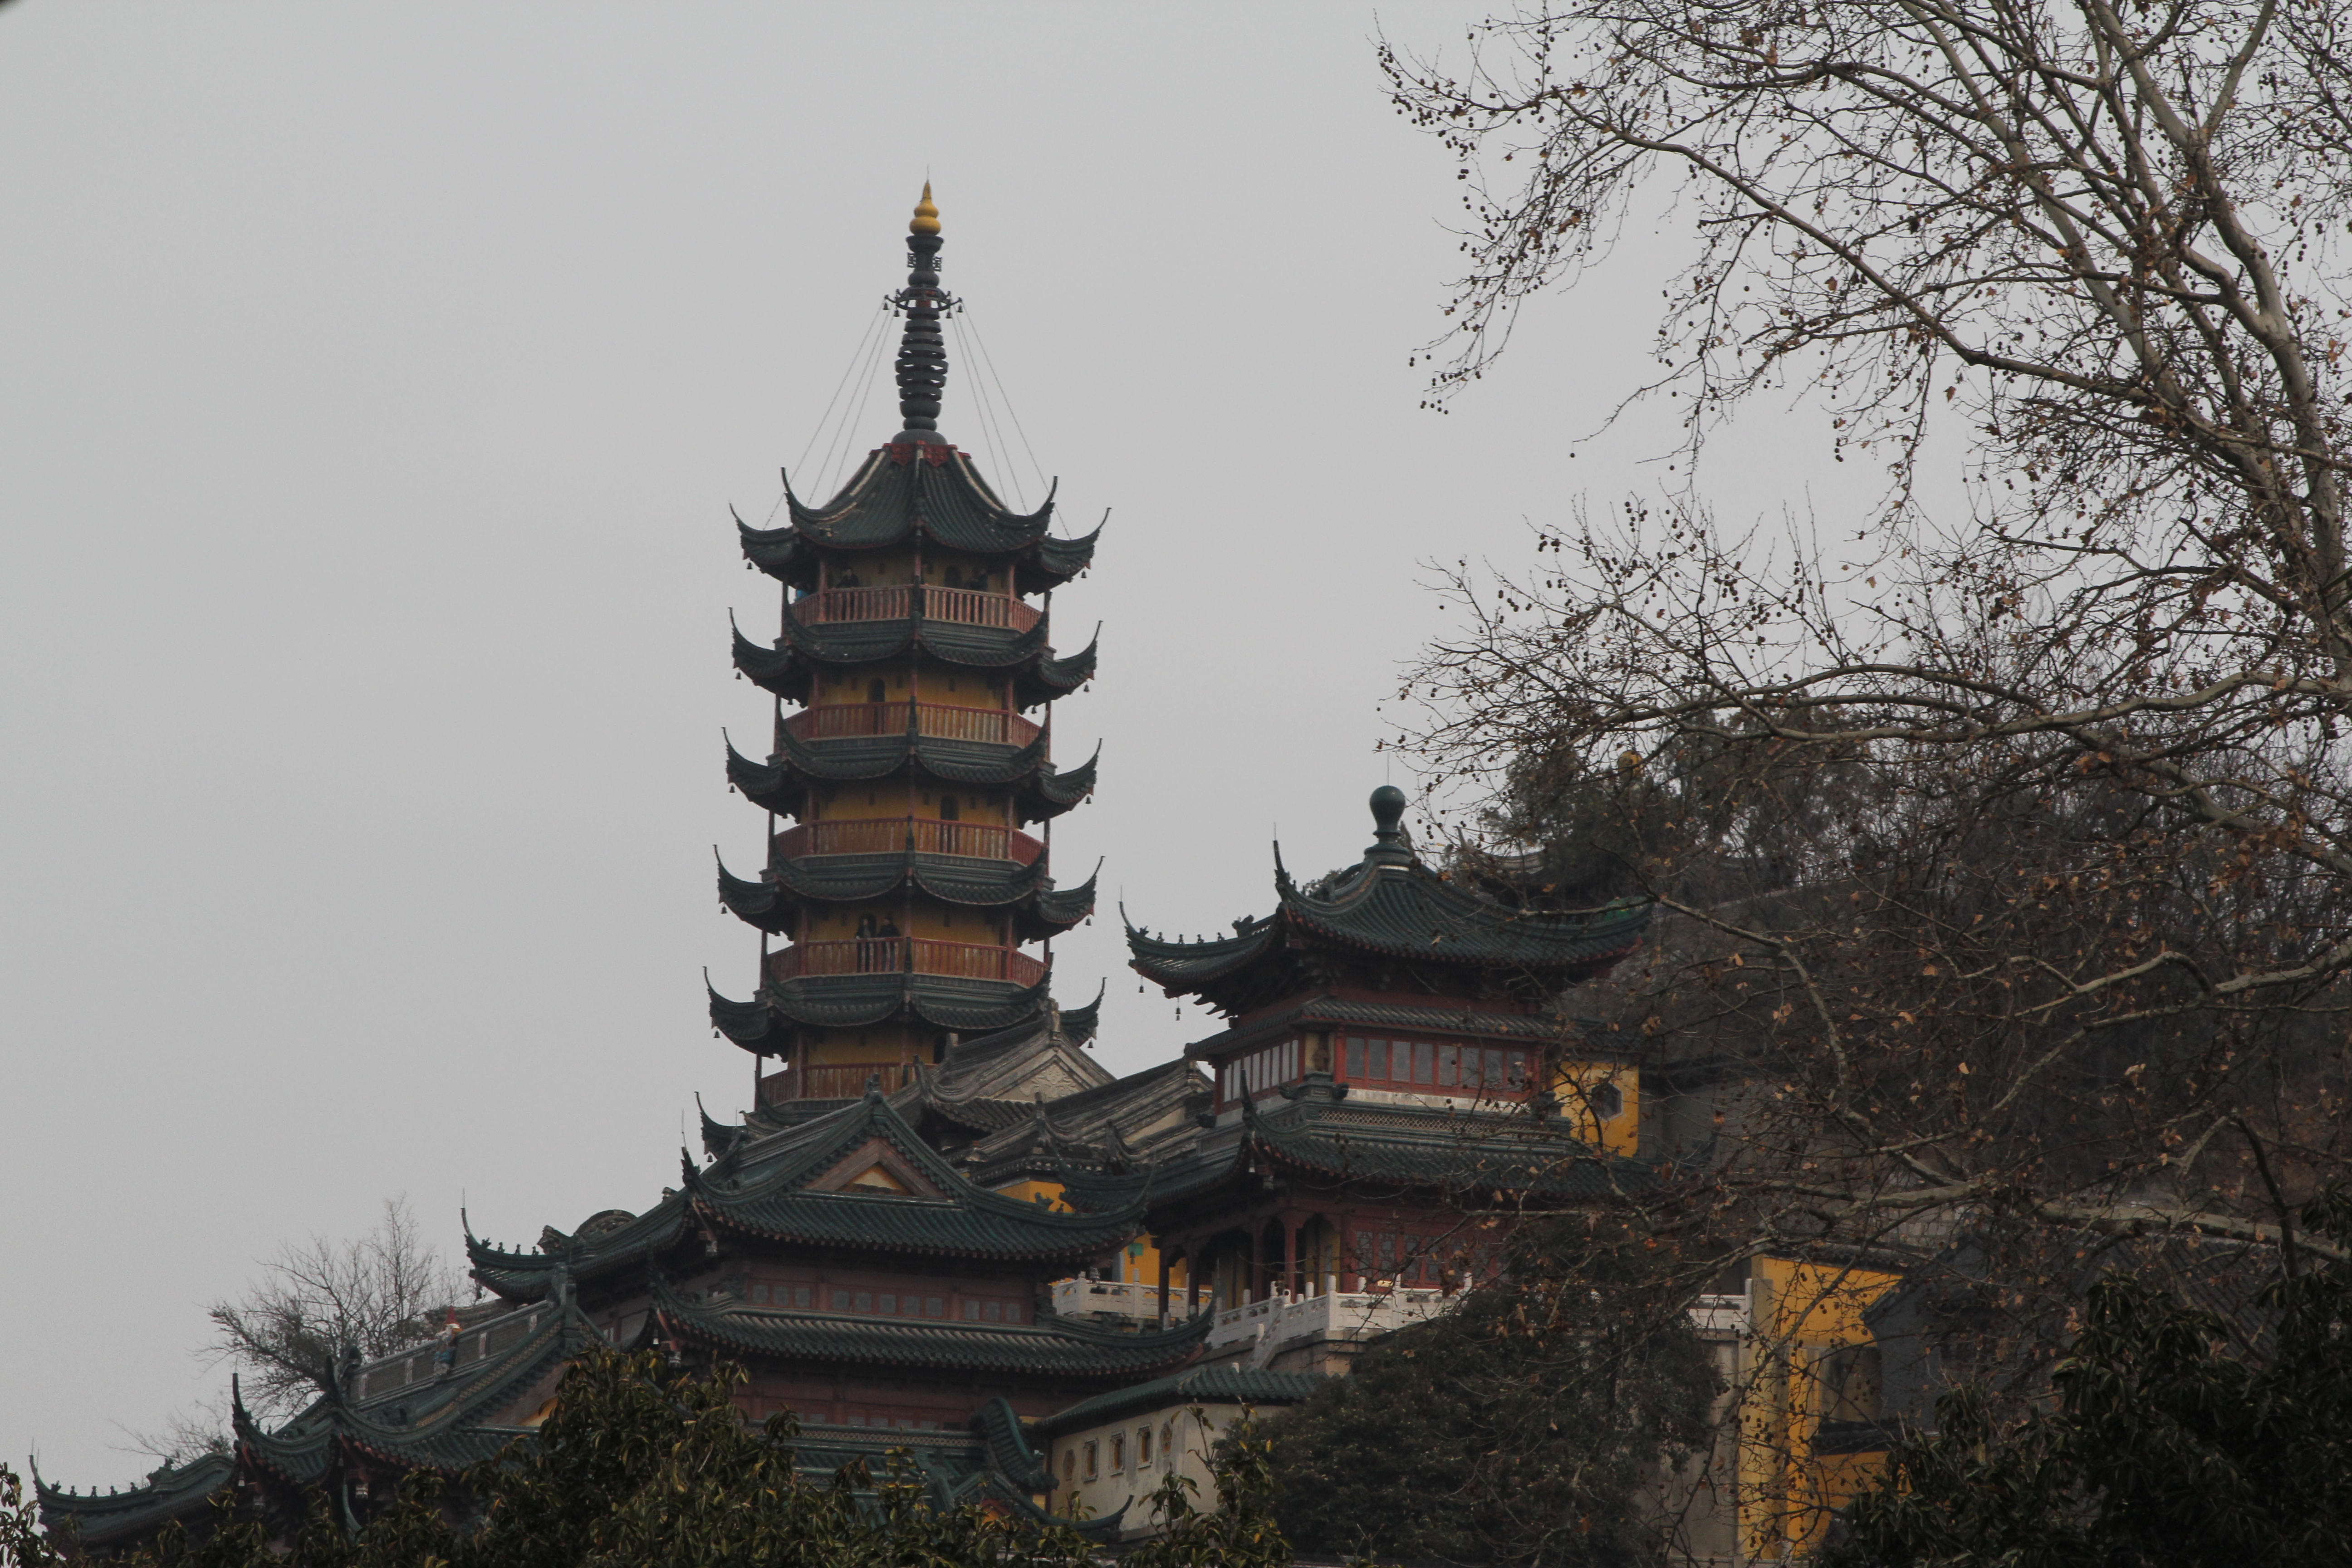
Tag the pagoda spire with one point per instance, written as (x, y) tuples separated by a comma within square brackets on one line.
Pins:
[(922, 367)]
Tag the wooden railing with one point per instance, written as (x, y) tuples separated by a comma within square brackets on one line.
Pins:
[(976, 960), (843, 720), (970, 607), (964, 606), (902, 955), (854, 605), (893, 835), (847, 1083)]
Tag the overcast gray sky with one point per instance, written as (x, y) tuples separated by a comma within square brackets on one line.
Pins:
[(373, 385)]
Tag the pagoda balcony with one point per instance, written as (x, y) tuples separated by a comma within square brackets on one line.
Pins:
[(844, 1080), (964, 606), (905, 955), (896, 834), (939, 720)]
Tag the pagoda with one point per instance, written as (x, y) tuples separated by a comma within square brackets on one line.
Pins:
[(901, 884)]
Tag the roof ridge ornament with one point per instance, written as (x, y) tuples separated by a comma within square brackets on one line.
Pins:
[(922, 365), (1391, 845)]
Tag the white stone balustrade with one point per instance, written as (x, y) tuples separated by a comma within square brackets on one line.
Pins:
[(1284, 1318), (1082, 1298)]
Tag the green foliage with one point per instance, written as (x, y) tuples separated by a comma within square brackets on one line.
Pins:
[(21, 1540), (2163, 1444), (1527, 1425), (638, 1467)]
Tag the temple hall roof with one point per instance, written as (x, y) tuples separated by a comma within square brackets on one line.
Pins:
[(1222, 1385), (107, 1522), (1388, 912), (790, 1186), (1373, 1147), (1049, 1347)]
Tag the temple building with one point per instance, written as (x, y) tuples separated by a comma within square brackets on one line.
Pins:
[(941, 1224), (1395, 1070)]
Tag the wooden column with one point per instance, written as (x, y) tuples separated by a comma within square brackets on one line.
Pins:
[(1191, 1282), (1290, 1256), (1163, 1287), (1257, 1287)]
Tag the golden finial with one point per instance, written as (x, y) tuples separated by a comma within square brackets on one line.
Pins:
[(927, 217)]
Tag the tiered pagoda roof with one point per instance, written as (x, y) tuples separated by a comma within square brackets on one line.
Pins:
[(806, 652), (1394, 922), (775, 901), (849, 1002), (909, 491), (781, 783)]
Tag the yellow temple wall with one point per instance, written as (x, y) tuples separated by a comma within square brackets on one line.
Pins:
[(1619, 1135), (1804, 1312), (1138, 1263)]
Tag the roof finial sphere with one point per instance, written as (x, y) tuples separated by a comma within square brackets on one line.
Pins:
[(1387, 807), (927, 217)]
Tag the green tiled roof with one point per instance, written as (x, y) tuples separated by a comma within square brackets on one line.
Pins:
[(781, 783), (773, 903), (856, 1001), (1051, 1347), (1388, 1146), (630, 1244), (903, 492), (1223, 1384), (760, 1185), (1389, 910), (803, 652), (1009, 1453), (762, 1189), (1402, 1018), (106, 1521), (1123, 1124), (1399, 912), (444, 1424), (993, 1061), (981, 1466)]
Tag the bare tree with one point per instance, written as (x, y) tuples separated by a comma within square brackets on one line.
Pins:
[(2015, 863), (320, 1302), (185, 1435)]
